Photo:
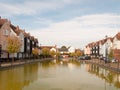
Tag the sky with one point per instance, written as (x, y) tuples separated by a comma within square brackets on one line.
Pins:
[(64, 22)]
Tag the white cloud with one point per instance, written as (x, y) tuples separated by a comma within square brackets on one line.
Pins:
[(79, 31), (31, 7)]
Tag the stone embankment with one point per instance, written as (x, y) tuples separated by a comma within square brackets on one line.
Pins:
[(111, 66), (21, 62)]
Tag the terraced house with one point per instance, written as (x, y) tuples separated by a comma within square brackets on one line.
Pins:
[(28, 42), (103, 47)]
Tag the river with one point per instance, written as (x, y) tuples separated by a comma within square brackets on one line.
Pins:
[(58, 75)]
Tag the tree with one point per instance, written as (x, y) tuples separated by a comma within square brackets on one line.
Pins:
[(78, 53), (13, 45), (110, 55), (35, 52), (72, 54), (45, 51), (52, 53)]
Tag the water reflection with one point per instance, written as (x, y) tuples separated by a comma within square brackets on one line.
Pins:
[(110, 77), (17, 78), (59, 75)]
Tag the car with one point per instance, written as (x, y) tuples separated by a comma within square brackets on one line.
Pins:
[(81, 58), (84, 58), (87, 57), (107, 60), (114, 60)]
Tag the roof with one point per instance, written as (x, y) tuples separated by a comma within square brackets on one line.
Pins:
[(63, 49), (17, 30), (47, 47), (2, 21), (117, 36)]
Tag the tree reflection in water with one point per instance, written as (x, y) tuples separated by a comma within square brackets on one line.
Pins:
[(38, 76), (110, 77)]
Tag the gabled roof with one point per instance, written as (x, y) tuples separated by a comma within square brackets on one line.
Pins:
[(17, 30), (103, 41), (63, 49), (117, 36), (2, 21), (36, 40), (110, 38)]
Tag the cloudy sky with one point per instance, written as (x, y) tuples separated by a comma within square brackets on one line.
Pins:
[(64, 22)]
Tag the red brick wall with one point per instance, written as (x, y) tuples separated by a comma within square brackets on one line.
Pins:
[(117, 54)]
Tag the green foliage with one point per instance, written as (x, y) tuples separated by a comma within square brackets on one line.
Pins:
[(110, 55)]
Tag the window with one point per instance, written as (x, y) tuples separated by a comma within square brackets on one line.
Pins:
[(28, 40), (6, 32)]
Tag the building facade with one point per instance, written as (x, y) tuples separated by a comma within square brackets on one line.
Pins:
[(28, 42)]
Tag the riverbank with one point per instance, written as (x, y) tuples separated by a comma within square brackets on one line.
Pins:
[(111, 66), (22, 62)]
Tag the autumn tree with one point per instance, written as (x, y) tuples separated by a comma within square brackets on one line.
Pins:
[(35, 52), (52, 53), (78, 53), (13, 45), (45, 51), (73, 54)]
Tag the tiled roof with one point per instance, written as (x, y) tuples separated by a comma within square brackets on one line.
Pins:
[(111, 39), (31, 37), (118, 35), (63, 49), (2, 21), (36, 40), (17, 30)]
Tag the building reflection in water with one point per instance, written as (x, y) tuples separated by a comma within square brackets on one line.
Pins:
[(111, 78), (20, 78)]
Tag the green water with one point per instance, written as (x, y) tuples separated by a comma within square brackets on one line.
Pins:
[(54, 75)]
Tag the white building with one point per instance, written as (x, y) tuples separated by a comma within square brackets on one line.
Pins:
[(87, 50), (71, 49), (102, 47), (116, 41)]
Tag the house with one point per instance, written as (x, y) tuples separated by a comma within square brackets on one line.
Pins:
[(102, 46), (33, 44), (87, 50), (5, 32), (109, 44), (71, 49), (63, 50), (28, 42), (51, 48), (95, 49), (116, 41), (116, 46)]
